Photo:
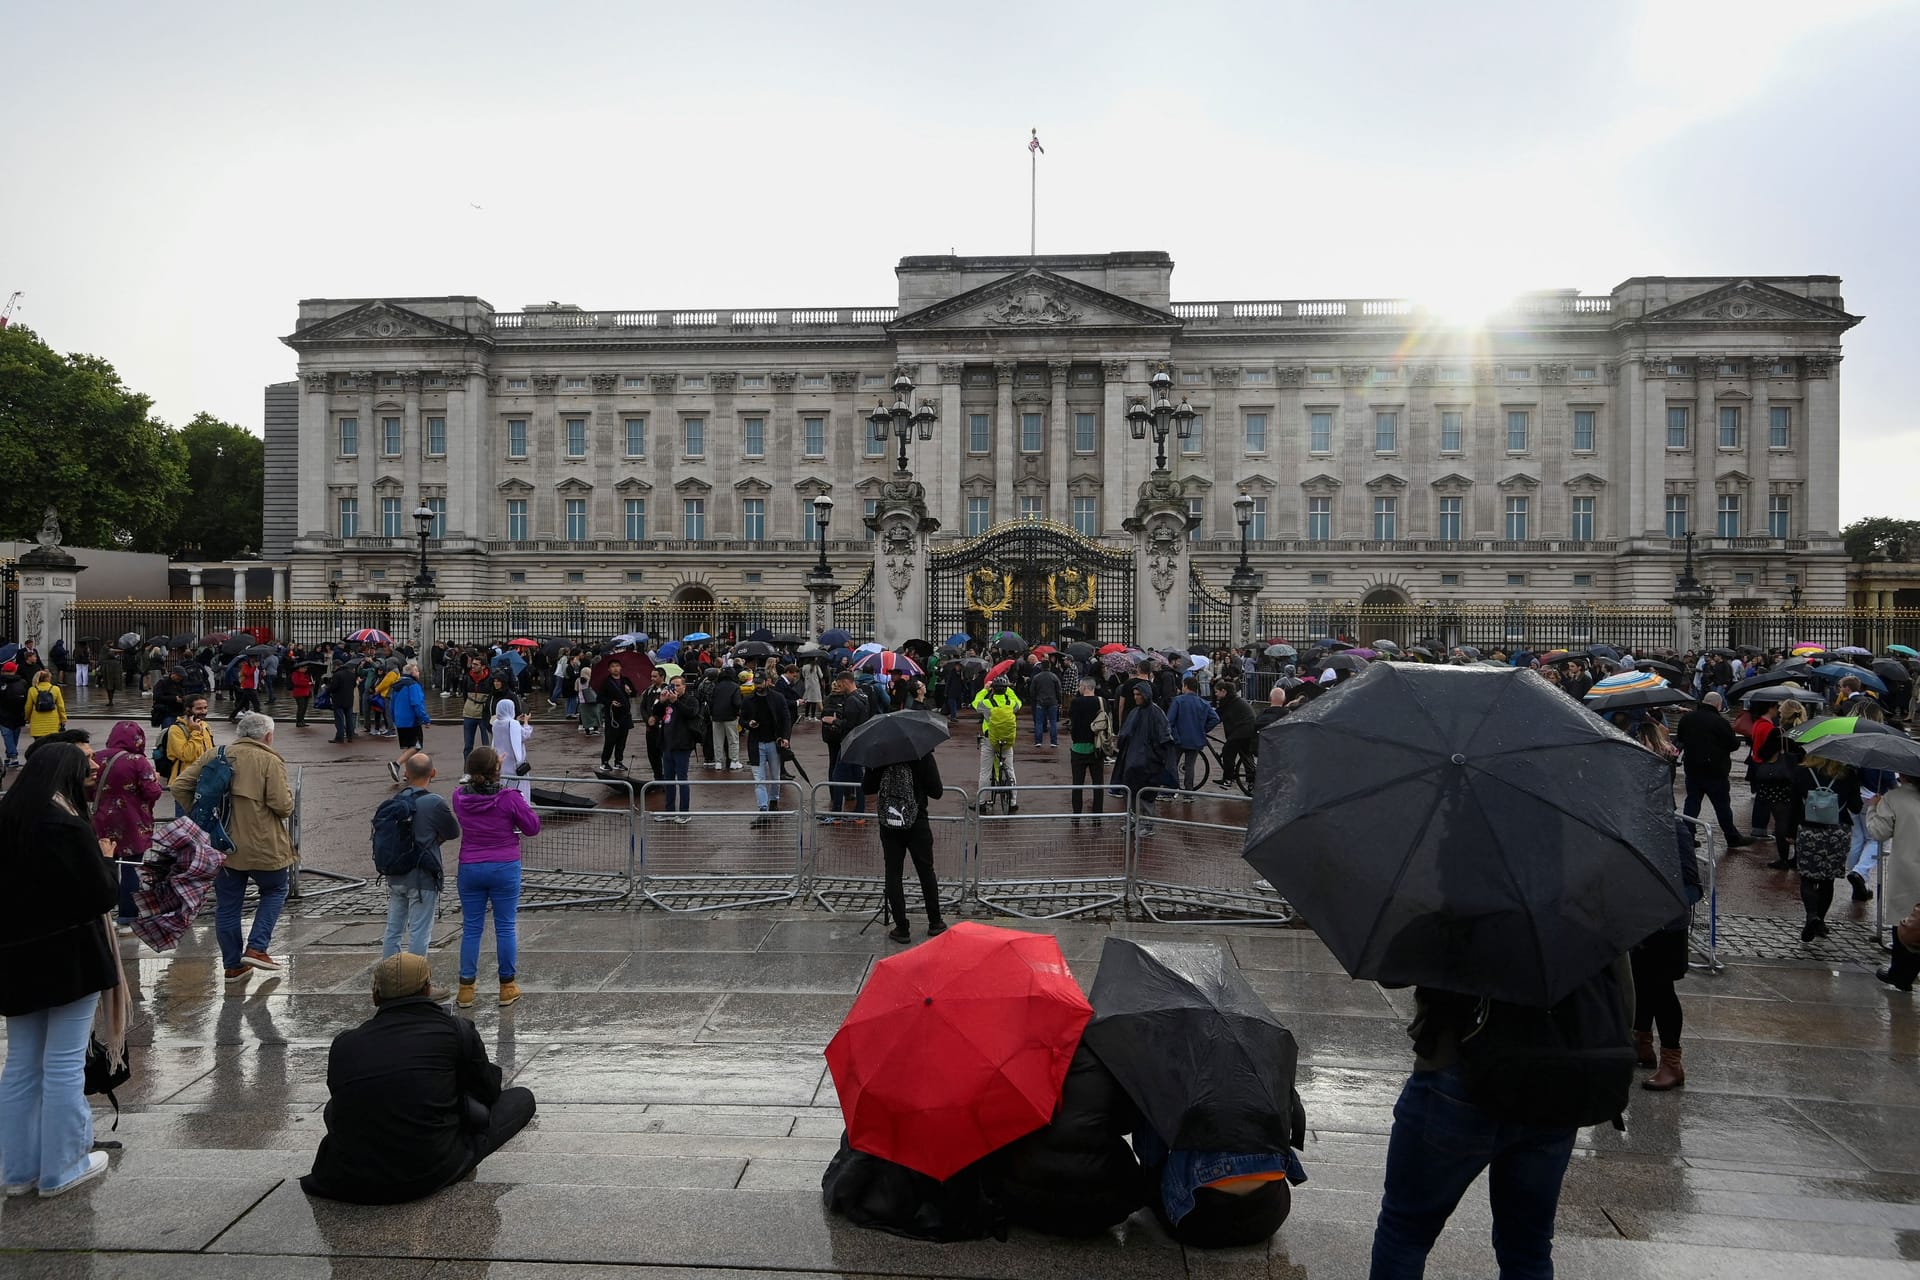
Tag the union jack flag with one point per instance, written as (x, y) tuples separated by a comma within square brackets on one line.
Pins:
[(1033, 144)]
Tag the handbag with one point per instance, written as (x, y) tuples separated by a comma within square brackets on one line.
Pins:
[(524, 768), (103, 1077)]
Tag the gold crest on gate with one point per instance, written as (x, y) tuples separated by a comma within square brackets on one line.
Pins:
[(989, 591), (1070, 592)]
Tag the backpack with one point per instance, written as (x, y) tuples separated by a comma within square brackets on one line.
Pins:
[(395, 851), (162, 763), (1565, 1067), (1822, 805), (213, 800), (43, 701), (899, 807), (1102, 735), (102, 1077), (1003, 724)]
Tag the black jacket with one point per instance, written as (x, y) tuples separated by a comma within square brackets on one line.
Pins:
[(1077, 1176), (679, 723), (616, 702), (1707, 743), (13, 702), (926, 785), (53, 917), (770, 717), (723, 701), (1237, 718), (849, 712), (408, 1089)]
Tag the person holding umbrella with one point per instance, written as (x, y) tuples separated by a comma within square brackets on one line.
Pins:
[(616, 708), (896, 752), (1894, 820), (1707, 743), (1826, 798)]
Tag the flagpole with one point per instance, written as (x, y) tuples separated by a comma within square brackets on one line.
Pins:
[(1033, 205)]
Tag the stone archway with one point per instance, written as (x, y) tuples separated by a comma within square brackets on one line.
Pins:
[(693, 608), (1386, 613)]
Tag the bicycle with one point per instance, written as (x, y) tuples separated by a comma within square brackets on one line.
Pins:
[(1000, 787), (1213, 762)]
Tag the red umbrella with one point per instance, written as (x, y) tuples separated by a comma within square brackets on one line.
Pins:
[(524, 643), (957, 1047), (637, 667), (1042, 650), (999, 669), (1106, 649)]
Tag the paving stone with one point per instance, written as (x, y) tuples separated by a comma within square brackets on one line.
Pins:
[(758, 1017), (597, 1017), (763, 971), (673, 1073), (215, 1266), (130, 1213)]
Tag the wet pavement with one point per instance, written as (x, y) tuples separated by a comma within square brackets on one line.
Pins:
[(686, 1114)]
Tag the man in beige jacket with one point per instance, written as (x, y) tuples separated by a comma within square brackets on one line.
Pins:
[(262, 849)]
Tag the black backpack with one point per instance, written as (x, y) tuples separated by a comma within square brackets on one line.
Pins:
[(899, 806), (395, 851), (1568, 1066), (43, 701)]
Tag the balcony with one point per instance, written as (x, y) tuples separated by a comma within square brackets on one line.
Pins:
[(1424, 546), (710, 546), (1593, 311), (757, 322)]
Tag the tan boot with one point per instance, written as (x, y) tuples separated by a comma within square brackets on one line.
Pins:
[(509, 992), (465, 996), (1671, 1074), (1643, 1049)]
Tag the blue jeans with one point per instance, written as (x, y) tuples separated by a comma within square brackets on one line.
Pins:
[(1440, 1144), (849, 797), (674, 765), (46, 1126), (470, 730), (767, 770), (229, 891), (1863, 855), (1046, 721), (411, 901), (484, 884), (12, 734)]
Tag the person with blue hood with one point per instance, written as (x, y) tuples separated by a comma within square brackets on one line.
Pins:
[(408, 712)]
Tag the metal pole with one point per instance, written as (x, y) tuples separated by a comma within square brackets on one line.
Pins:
[(1033, 205)]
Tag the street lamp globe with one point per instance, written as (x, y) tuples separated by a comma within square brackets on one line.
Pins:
[(1243, 510)]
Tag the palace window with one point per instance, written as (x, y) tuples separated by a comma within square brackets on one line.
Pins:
[(436, 437), (1386, 432), (694, 434), (349, 517), (1451, 425), (814, 431), (635, 514), (1517, 422), (349, 437), (636, 437), (437, 529), (979, 516), (1450, 519), (1580, 527), (1319, 519), (695, 382), (753, 432), (1196, 515), (1085, 432), (1030, 432), (1257, 529), (1517, 512), (1583, 430), (1320, 432), (576, 513), (1779, 515), (1677, 525), (516, 519), (1256, 433), (1196, 440), (1386, 519), (516, 437), (390, 518), (979, 432), (1729, 426), (753, 519), (693, 519), (1727, 516), (390, 437), (1030, 507), (1779, 427), (1679, 422), (810, 521), (576, 437)]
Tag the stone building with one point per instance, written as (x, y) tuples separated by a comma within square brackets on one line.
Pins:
[(1556, 453)]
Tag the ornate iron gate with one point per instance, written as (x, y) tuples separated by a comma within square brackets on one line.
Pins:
[(1209, 614), (1034, 577), (854, 610)]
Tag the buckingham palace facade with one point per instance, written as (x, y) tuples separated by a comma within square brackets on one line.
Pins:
[(1557, 452)]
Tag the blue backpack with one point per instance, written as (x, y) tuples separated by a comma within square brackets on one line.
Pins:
[(213, 800), (395, 852)]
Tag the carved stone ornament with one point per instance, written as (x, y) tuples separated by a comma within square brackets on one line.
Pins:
[(410, 380), (1553, 373), (950, 373), (1033, 307), (1114, 370), (1228, 376), (1420, 373), (723, 382), (318, 382), (1819, 364), (1164, 555), (31, 624), (1291, 374), (1486, 373), (1355, 375), (545, 383), (605, 383), (1004, 371), (1057, 371), (664, 381), (49, 535), (384, 327), (844, 380), (897, 546), (783, 380)]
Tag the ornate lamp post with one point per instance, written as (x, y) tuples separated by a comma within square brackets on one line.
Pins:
[(1245, 584), (423, 518), (1243, 516), (820, 584), (1162, 417), (902, 419), (1690, 599), (822, 513)]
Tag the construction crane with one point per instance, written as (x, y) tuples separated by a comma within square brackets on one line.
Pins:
[(13, 304)]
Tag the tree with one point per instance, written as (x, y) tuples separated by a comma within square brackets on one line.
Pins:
[(226, 476), (72, 436), (1882, 538)]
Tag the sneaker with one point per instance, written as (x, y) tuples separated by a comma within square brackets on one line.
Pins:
[(937, 928), (736, 766), (827, 820), (240, 974), (509, 992), (393, 767), (464, 997), (95, 1166), (899, 935), (1739, 842), (259, 960), (1860, 891), (465, 778), (14, 1190), (683, 819)]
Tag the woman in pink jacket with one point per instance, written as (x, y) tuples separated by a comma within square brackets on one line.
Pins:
[(492, 820), (125, 788)]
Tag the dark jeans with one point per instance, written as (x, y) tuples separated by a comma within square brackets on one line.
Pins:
[(1089, 766), (1440, 1144), (300, 711), (1816, 895), (1236, 758), (916, 841), (850, 798), (472, 730), (129, 881), (1718, 792), (613, 747), (507, 1116), (1046, 723), (676, 764), (342, 724), (229, 893)]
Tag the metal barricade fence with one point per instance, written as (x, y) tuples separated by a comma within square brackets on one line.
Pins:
[(1703, 930), (706, 846), (585, 850), (1045, 861), (1186, 866), (845, 868), (297, 883)]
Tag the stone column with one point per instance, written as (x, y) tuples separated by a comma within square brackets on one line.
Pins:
[(280, 585), (901, 524), (1690, 604), (1244, 591), (821, 589), (1820, 433), (48, 580), (316, 448), (1004, 430), (413, 441), (239, 596), (1756, 442), (424, 605), (1058, 433), (951, 435), (369, 460), (1114, 439), (1159, 526)]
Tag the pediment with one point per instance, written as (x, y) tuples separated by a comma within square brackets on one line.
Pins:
[(1519, 480), (1086, 477), (979, 478), (388, 484), (1729, 393), (1585, 480), (573, 484), (752, 484), (1196, 484), (1322, 482), (1749, 302), (1452, 482), (812, 486), (514, 484), (1386, 481), (872, 484), (632, 484), (1035, 300), (1733, 477), (692, 484), (377, 321), (1257, 481)]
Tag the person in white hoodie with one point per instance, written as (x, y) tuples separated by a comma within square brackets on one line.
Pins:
[(510, 735)]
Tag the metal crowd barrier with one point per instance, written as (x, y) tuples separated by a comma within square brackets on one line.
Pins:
[(1046, 861), (296, 883), (582, 855), (845, 869), (1187, 868), (1703, 931), (729, 854)]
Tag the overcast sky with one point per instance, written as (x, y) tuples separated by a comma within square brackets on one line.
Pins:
[(174, 178)]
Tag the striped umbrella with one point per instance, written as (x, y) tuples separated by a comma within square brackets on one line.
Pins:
[(369, 635), (887, 664), (1626, 682)]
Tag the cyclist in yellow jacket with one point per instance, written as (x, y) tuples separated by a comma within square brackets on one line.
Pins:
[(999, 707)]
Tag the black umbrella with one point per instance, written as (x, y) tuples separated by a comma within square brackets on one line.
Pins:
[(921, 649), (1778, 693), (236, 644), (1471, 829), (761, 635), (973, 664), (1664, 697), (1891, 671), (1342, 662), (1009, 642), (1079, 649), (259, 650), (754, 649), (1194, 1046), (790, 638), (1671, 669), (899, 738), (1795, 669), (1723, 653), (1603, 651), (1895, 753), (1073, 633)]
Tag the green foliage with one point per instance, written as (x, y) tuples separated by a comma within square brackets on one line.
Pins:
[(226, 476), (1882, 538), (73, 436)]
